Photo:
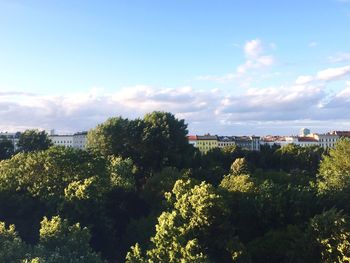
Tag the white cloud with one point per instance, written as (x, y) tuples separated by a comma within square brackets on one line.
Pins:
[(301, 80), (217, 111), (325, 75), (313, 44), (333, 73), (256, 63), (256, 59), (253, 48), (216, 78), (339, 58)]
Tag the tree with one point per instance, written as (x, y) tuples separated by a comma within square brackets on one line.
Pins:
[(33, 140), (193, 231), (165, 141), (12, 248), (6, 148), (111, 138), (61, 242), (328, 237), (280, 245), (156, 141), (238, 183), (122, 172), (157, 185), (334, 173), (55, 174), (239, 166)]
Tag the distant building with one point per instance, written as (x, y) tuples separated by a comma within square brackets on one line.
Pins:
[(251, 143), (13, 137), (307, 141), (192, 139), (345, 134), (304, 132), (76, 140), (224, 141), (327, 140), (208, 142)]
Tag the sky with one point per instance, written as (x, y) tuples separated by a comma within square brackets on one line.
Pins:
[(229, 67)]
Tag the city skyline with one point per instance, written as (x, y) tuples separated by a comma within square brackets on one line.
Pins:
[(233, 67)]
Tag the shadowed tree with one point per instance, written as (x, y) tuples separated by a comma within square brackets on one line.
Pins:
[(33, 140)]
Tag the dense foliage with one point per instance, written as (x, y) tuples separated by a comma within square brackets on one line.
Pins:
[(33, 140), (141, 193)]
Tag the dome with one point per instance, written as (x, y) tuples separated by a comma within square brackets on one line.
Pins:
[(304, 132)]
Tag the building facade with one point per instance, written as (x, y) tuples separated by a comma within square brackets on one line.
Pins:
[(327, 140), (208, 142), (11, 136), (76, 140)]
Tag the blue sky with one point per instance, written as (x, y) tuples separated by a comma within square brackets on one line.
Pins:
[(228, 67)]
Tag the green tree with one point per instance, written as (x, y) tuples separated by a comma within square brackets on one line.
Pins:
[(328, 237), (334, 173), (6, 148), (112, 137), (279, 245), (33, 140), (239, 166), (164, 141), (12, 248), (156, 141), (55, 174), (61, 242), (122, 172), (157, 185), (238, 183), (195, 230)]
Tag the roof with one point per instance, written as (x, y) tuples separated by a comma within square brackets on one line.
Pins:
[(207, 137), (81, 133), (307, 139), (226, 138), (192, 137), (342, 133)]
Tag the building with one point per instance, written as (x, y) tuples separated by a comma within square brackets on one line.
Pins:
[(79, 140), (307, 141), (250, 143), (304, 132), (192, 139), (327, 140), (206, 142), (76, 140), (224, 141), (13, 137), (344, 134)]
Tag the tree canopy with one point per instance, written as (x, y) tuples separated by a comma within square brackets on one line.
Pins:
[(142, 193), (33, 140), (156, 141)]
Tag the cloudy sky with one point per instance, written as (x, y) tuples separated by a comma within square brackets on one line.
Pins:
[(227, 66)]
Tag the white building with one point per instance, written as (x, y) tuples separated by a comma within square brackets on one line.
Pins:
[(224, 141), (327, 140), (11, 136), (304, 132), (77, 140)]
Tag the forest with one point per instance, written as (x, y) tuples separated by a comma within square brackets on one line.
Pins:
[(141, 193)]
